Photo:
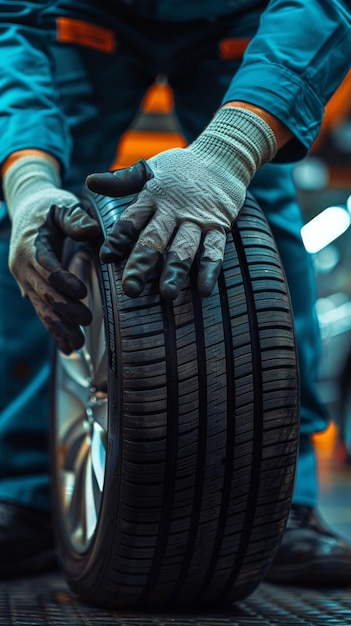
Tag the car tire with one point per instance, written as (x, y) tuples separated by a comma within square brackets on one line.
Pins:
[(174, 430)]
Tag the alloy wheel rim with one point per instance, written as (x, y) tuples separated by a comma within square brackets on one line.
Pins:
[(81, 419)]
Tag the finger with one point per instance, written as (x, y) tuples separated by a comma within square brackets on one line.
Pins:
[(72, 310), (179, 259), (121, 182), (60, 279), (47, 246), (47, 249), (125, 231), (68, 284), (211, 260), (174, 275), (119, 242), (138, 269), (65, 306), (146, 254), (60, 222), (66, 334), (76, 223)]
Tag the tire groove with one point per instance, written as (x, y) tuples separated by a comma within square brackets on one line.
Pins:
[(202, 438), (229, 454), (171, 450), (257, 414)]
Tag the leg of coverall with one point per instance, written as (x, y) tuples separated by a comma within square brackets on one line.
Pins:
[(24, 406)]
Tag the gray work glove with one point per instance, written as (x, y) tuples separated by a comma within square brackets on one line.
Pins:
[(192, 198), (42, 216)]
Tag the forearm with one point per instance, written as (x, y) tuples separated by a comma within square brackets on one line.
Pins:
[(32, 114), (292, 66)]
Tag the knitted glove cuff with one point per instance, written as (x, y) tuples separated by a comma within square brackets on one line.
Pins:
[(27, 177), (236, 142)]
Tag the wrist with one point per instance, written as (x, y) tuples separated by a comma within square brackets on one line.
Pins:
[(281, 132), (20, 154), (236, 143), (27, 177)]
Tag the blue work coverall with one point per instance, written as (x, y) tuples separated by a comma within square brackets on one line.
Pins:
[(72, 76)]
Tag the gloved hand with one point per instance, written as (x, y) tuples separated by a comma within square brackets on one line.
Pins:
[(42, 216), (192, 198)]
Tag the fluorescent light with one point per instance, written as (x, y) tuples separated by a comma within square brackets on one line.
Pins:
[(325, 227)]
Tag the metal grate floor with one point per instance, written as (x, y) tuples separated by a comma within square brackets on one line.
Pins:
[(47, 600)]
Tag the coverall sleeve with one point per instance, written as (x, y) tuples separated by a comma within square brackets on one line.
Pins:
[(30, 116), (294, 63)]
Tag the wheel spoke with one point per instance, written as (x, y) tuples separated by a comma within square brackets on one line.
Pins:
[(76, 513), (76, 367), (98, 454), (70, 407), (90, 512), (72, 441), (99, 410)]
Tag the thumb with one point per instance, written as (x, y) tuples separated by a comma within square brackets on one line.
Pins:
[(121, 182), (76, 223)]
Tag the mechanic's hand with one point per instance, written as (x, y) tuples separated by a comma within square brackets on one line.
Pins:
[(42, 216), (192, 197)]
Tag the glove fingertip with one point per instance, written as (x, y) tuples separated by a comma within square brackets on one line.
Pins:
[(205, 289), (168, 291), (174, 275), (64, 346), (90, 229), (209, 272), (122, 182), (69, 345), (68, 284), (87, 318), (103, 183), (109, 256), (132, 286)]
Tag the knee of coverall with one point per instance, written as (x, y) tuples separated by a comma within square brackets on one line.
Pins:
[(274, 189)]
